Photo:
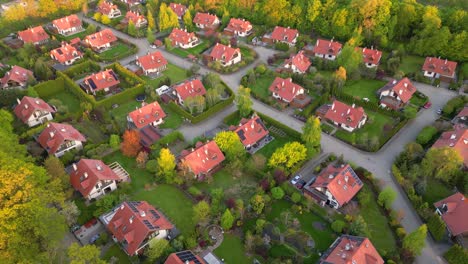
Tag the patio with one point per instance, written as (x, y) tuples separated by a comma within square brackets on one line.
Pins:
[(259, 145)]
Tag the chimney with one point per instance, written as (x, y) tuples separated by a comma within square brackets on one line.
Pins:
[(18, 101), (98, 167), (453, 136), (252, 124), (349, 111), (26, 106), (75, 168), (400, 92), (353, 105), (206, 151), (142, 213), (363, 50), (333, 106), (394, 82)]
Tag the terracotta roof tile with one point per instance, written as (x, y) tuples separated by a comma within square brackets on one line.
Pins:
[(152, 61), (67, 22), (206, 19), (250, 131), (181, 36), (238, 25), (403, 88), (440, 66), (454, 211), (88, 173), (106, 7), (327, 47), (344, 114), (179, 9), (17, 74), (101, 80), (370, 55), (456, 139), (65, 53), (284, 34), (299, 60), (28, 105), (101, 38), (135, 17), (204, 158), (223, 53), (351, 249), (190, 88), (147, 114), (285, 88), (33, 35), (55, 134)]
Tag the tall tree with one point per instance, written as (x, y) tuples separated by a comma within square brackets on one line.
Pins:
[(311, 135), (227, 220), (243, 101), (131, 29), (359, 227), (47, 7), (349, 58), (416, 240), (288, 156), (84, 254), (150, 18), (229, 142), (374, 15), (157, 248), (188, 21), (131, 143), (442, 163), (201, 211), (258, 203), (56, 170), (167, 18), (166, 165)]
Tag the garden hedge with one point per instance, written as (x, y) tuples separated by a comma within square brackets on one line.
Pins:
[(49, 88), (456, 255), (121, 97), (73, 88), (84, 67), (293, 133)]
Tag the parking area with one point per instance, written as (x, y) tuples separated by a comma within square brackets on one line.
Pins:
[(89, 230), (306, 173)]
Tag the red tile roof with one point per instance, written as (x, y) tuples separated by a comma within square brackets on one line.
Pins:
[(147, 114), (327, 47), (135, 17), (101, 38), (106, 7), (463, 112), (182, 257), (299, 60), (440, 66), (223, 52), (28, 105), (403, 88), (181, 36), (456, 139), (153, 60), (251, 130), (454, 211), (190, 88), (352, 249), (179, 9), (65, 53), (134, 222), (344, 114), (204, 158), (284, 34), (33, 35), (55, 134), (285, 88), (370, 55), (17, 74), (340, 182), (75, 41), (238, 25), (88, 173), (67, 22), (102, 80), (205, 19)]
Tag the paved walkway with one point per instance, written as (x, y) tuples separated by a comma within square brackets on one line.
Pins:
[(379, 163)]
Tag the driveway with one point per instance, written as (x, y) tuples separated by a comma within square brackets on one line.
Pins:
[(379, 163)]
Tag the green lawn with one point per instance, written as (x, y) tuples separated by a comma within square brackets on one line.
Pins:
[(91, 131), (436, 191), (411, 64), (278, 142), (418, 101), (380, 233), (120, 113), (119, 50), (364, 89), (173, 203), (175, 73), (200, 48), (172, 119), (232, 250), (260, 88), (323, 238), (68, 100), (116, 252)]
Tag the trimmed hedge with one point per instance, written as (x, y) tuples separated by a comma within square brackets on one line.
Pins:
[(293, 133), (456, 255), (73, 88), (125, 73), (121, 97), (171, 137), (49, 88), (84, 67)]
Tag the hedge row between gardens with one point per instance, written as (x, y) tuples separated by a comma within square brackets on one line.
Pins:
[(291, 132), (209, 112), (73, 88), (81, 68), (49, 88), (121, 97)]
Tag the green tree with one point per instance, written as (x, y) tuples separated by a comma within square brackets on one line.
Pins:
[(71, 212), (31, 92), (212, 97), (202, 211), (243, 101), (277, 193), (42, 71), (311, 135), (359, 227), (114, 141), (56, 170), (338, 226), (157, 248), (88, 254), (415, 241), (227, 220), (437, 227), (349, 58), (258, 203), (296, 197), (442, 163), (229, 142), (166, 165), (259, 224), (456, 254), (386, 197), (131, 29), (288, 156), (426, 135), (410, 112)]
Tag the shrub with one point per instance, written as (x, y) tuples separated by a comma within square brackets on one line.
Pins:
[(277, 193), (152, 166), (296, 197), (281, 46), (456, 255), (437, 227), (194, 191), (338, 226), (426, 135)]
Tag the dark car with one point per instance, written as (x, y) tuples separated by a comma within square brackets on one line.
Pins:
[(300, 184)]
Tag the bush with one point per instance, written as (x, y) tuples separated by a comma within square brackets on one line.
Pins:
[(171, 138), (277, 193), (338, 226), (194, 191), (152, 166), (296, 197), (437, 227), (426, 135), (456, 255), (281, 46)]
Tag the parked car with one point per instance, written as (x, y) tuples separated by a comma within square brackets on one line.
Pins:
[(439, 111), (427, 105), (74, 227), (94, 238), (296, 179), (365, 99), (300, 184)]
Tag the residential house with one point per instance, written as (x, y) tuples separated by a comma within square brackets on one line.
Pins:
[(349, 249), (328, 50), (109, 9), (342, 115), (35, 35), (206, 21), (396, 94), (335, 185), (101, 40), (92, 178), (152, 63), (146, 119), (226, 55), (33, 111), (456, 139), (454, 212), (131, 3), (183, 39), (189, 89), (282, 35), (203, 160), (285, 89), (135, 224), (184, 257), (102, 81), (16, 77), (437, 68), (371, 57), (298, 63), (462, 118), (238, 27), (137, 19), (57, 139), (66, 54), (251, 131), (179, 9), (68, 25)]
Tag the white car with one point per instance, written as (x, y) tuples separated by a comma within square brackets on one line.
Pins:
[(365, 99), (295, 179)]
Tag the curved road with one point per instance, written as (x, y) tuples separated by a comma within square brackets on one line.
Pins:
[(379, 163)]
